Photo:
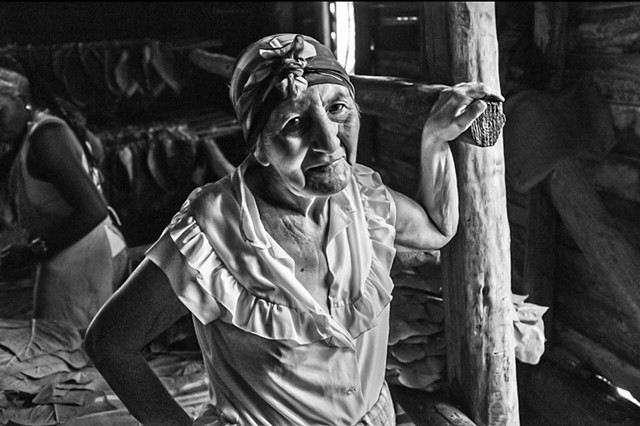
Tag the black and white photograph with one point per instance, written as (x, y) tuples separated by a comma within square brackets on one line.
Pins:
[(319, 213)]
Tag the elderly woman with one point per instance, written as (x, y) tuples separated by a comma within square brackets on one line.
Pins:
[(284, 264)]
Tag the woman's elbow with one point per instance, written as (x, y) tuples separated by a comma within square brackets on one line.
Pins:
[(448, 233), (441, 240), (444, 240), (98, 345)]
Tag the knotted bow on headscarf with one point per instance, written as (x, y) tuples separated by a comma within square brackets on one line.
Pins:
[(276, 68)]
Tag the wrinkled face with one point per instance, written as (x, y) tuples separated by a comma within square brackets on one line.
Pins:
[(13, 118), (311, 141)]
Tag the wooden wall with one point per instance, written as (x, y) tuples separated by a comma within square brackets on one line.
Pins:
[(603, 42)]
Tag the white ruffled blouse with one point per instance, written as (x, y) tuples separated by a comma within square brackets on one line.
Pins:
[(273, 355)]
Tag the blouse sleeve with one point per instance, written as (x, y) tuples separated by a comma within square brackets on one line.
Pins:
[(380, 212), (187, 259)]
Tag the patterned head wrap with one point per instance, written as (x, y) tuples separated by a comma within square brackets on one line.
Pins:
[(276, 68), (12, 79)]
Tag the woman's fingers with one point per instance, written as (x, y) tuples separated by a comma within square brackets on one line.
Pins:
[(457, 107)]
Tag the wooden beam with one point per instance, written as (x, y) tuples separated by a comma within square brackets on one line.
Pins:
[(607, 364), (586, 218), (549, 34), (476, 263), (540, 256), (560, 391), (394, 98), (538, 281), (429, 408), (437, 55)]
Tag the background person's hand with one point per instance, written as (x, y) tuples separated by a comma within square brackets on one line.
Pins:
[(455, 110)]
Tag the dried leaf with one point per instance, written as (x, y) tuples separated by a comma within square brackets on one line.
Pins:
[(21, 383), (32, 416), (530, 313), (55, 365), (76, 359), (401, 330), (14, 365), (30, 338), (406, 353)]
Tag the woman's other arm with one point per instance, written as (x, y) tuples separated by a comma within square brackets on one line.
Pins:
[(138, 312)]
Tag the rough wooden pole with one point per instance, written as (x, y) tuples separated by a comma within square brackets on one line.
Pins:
[(476, 263)]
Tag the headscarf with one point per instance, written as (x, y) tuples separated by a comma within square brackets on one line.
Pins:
[(12, 78), (275, 68), (14, 84)]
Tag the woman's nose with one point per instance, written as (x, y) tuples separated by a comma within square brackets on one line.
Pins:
[(325, 137)]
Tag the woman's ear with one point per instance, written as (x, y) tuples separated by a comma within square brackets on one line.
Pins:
[(259, 154)]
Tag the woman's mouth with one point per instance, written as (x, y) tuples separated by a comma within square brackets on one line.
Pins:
[(325, 167)]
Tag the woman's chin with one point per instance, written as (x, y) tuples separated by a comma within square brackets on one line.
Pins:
[(328, 181)]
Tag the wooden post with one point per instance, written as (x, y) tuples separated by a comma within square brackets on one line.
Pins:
[(476, 263)]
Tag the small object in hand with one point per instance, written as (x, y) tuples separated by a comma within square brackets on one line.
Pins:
[(486, 129), (38, 247)]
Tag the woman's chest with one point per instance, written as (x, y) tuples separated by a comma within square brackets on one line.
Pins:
[(305, 244)]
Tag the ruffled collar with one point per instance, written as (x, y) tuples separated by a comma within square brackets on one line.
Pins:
[(246, 271)]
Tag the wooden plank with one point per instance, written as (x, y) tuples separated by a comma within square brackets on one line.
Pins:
[(517, 197), (620, 175), (600, 323), (401, 146), (397, 174), (616, 74), (559, 392), (397, 63), (549, 36), (620, 372), (586, 218), (406, 102), (625, 216), (403, 101), (476, 263), (437, 55), (363, 17), (577, 274), (584, 302), (429, 408), (538, 279), (518, 215), (539, 275), (604, 26)]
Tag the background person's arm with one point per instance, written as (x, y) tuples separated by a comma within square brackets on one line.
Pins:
[(139, 311), (55, 156)]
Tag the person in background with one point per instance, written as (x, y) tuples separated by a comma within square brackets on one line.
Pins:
[(79, 255), (284, 263)]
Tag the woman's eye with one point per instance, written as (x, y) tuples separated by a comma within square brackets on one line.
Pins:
[(294, 125), (336, 108)]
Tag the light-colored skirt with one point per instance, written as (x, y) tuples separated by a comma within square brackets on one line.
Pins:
[(74, 284)]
